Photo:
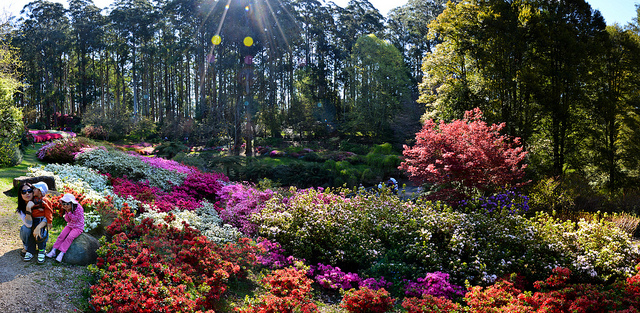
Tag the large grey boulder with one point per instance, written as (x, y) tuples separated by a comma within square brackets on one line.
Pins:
[(82, 251), (50, 180)]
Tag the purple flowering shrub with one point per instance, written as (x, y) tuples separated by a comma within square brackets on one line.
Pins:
[(508, 202), (239, 203), (331, 277), (436, 284)]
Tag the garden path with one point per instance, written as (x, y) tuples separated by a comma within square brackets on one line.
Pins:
[(29, 286)]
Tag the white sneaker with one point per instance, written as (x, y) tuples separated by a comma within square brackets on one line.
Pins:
[(27, 256), (51, 254), (60, 256)]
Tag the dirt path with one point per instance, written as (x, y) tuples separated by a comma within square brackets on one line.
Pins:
[(28, 286)]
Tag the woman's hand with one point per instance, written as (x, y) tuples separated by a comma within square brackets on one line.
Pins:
[(30, 205), (36, 231)]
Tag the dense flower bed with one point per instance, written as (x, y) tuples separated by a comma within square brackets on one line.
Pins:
[(151, 267), (48, 135), (413, 254)]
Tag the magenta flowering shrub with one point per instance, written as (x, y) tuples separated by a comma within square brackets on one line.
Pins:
[(202, 186), (167, 164), (331, 277), (239, 202), (177, 199), (274, 255), (62, 151), (436, 284)]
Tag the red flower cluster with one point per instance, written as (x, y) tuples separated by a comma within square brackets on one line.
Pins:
[(557, 295), (58, 210), (288, 290), (365, 300), (429, 304), (156, 268)]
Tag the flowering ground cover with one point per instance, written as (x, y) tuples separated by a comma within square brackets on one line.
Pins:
[(196, 234)]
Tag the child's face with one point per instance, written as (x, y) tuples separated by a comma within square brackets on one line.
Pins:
[(66, 205), (37, 193)]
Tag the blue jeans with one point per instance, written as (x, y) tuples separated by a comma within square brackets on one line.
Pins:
[(29, 241)]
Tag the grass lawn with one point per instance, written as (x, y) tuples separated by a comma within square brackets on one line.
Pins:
[(8, 197)]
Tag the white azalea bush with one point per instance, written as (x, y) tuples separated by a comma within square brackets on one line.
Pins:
[(120, 164), (205, 219), (595, 249)]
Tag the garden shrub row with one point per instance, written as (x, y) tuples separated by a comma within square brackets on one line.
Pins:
[(155, 263)]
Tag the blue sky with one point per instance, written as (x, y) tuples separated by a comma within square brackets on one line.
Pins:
[(614, 11)]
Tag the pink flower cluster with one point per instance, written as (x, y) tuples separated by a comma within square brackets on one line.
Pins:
[(196, 188), (48, 135), (273, 256), (170, 165), (239, 203)]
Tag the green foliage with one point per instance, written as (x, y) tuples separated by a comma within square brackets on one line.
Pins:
[(170, 149), (356, 148), (10, 153), (143, 129)]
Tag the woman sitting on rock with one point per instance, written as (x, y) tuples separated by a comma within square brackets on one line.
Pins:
[(74, 215)]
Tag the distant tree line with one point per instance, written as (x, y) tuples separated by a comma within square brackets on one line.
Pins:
[(559, 78)]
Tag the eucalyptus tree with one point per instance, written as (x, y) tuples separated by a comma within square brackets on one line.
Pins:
[(567, 35), (613, 141), (408, 29), (43, 40), (133, 22), (382, 84), (87, 32)]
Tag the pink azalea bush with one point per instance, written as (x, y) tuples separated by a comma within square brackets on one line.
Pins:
[(168, 164), (239, 203)]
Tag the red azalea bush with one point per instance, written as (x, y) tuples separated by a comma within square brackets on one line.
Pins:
[(464, 154), (58, 210), (365, 300), (556, 295), (140, 191), (156, 268), (288, 290), (429, 304)]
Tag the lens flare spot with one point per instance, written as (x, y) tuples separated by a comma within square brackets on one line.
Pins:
[(216, 40), (248, 41), (246, 8), (226, 7)]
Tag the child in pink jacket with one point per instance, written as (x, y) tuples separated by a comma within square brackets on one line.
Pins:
[(74, 215)]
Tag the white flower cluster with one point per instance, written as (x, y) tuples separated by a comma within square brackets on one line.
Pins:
[(180, 216), (211, 225), (91, 221)]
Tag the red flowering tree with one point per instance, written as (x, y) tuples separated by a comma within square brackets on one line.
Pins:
[(464, 155)]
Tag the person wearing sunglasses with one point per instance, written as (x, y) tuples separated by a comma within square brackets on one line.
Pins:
[(74, 215), (37, 216)]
